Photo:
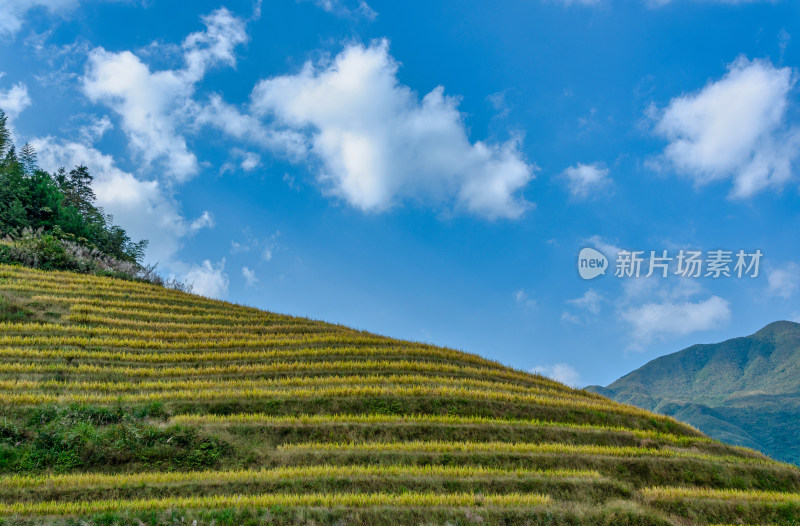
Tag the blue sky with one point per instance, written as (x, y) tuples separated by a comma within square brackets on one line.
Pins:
[(431, 170)]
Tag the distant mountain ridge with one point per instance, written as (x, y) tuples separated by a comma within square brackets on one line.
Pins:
[(745, 391)]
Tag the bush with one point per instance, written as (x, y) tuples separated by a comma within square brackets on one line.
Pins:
[(44, 251), (38, 250)]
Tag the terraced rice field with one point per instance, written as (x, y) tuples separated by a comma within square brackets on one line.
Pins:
[(125, 403)]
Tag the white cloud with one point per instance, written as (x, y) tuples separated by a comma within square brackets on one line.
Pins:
[(571, 318), (208, 279), (561, 372), (349, 9), (206, 220), (142, 208), (607, 248), (153, 105), (591, 301), (378, 144), (95, 130), (14, 100), (266, 246), (729, 2), (269, 247), (580, 2), (784, 281), (522, 298), (587, 180), (249, 276), (654, 321), (250, 162), (12, 12), (733, 128), (244, 127)]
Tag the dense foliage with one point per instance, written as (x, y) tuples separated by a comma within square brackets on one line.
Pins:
[(51, 221)]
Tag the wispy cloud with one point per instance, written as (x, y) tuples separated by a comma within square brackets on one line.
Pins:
[(585, 181), (249, 276), (657, 311), (784, 281)]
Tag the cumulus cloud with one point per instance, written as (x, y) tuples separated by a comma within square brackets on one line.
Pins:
[(734, 128), (208, 279), (152, 105), (14, 100), (560, 372), (249, 276), (142, 208), (377, 143), (587, 180), (784, 281)]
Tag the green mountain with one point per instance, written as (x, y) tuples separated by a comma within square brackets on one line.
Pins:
[(744, 391)]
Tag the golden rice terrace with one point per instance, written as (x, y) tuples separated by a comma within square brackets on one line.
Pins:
[(125, 403)]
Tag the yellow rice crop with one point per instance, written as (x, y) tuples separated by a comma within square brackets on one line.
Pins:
[(86, 480), (259, 383), (306, 392), (262, 326), (326, 500), (436, 446), (83, 341), (273, 367), (156, 314), (26, 329), (384, 419), (676, 493), (234, 355)]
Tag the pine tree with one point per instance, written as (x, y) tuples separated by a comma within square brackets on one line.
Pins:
[(27, 156), (5, 135), (80, 193), (11, 157)]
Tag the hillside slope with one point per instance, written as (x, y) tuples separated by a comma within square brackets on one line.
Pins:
[(125, 403), (745, 391)]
